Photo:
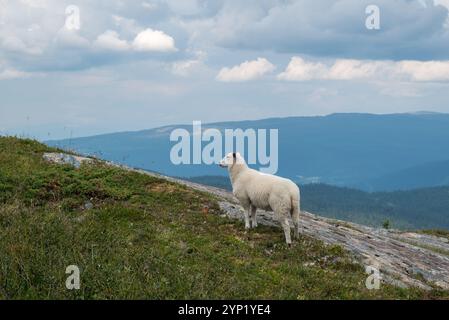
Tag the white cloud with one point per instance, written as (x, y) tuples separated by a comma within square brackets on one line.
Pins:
[(345, 69), (110, 40), (330, 30), (299, 70), (248, 70), (126, 25), (425, 70), (71, 39), (14, 44), (185, 67), (34, 36), (154, 40), (7, 74), (149, 5), (184, 7), (35, 3), (348, 69), (444, 3), (182, 68)]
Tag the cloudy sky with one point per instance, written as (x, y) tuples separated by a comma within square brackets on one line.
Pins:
[(77, 68)]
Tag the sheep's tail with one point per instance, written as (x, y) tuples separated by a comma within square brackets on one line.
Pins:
[(296, 206)]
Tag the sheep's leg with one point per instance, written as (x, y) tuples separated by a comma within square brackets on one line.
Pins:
[(286, 227), (253, 216), (295, 218), (246, 214)]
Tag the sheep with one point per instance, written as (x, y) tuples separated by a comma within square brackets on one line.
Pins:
[(257, 190)]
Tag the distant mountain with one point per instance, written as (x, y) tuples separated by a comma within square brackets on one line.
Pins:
[(424, 208), (424, 175), (371, 152)]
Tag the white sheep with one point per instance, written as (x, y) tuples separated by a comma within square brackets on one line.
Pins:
[(255, 189)]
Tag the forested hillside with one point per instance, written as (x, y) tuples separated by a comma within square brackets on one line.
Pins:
[(426, 208)]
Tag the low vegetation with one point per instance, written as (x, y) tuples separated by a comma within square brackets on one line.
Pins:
[(135, 236), (437, 233)]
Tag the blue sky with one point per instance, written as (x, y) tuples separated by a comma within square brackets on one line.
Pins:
[(133, 65)]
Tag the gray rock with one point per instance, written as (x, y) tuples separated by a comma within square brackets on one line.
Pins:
[(64, 158), (88, 205)]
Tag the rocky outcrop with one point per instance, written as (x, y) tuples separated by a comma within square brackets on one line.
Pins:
[(64, 158), (403, 258)]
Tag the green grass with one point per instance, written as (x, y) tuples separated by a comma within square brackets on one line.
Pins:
[(145, 238)]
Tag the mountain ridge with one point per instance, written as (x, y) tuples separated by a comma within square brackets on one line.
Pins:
[(207, 124), (353, 150)]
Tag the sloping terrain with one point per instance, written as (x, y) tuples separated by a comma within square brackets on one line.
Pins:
[(404, 258), (137, 235)]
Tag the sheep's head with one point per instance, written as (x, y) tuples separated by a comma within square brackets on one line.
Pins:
[(231, 159)]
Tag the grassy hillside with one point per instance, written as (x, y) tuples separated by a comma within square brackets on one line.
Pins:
[(425, 208), (135, 236)]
